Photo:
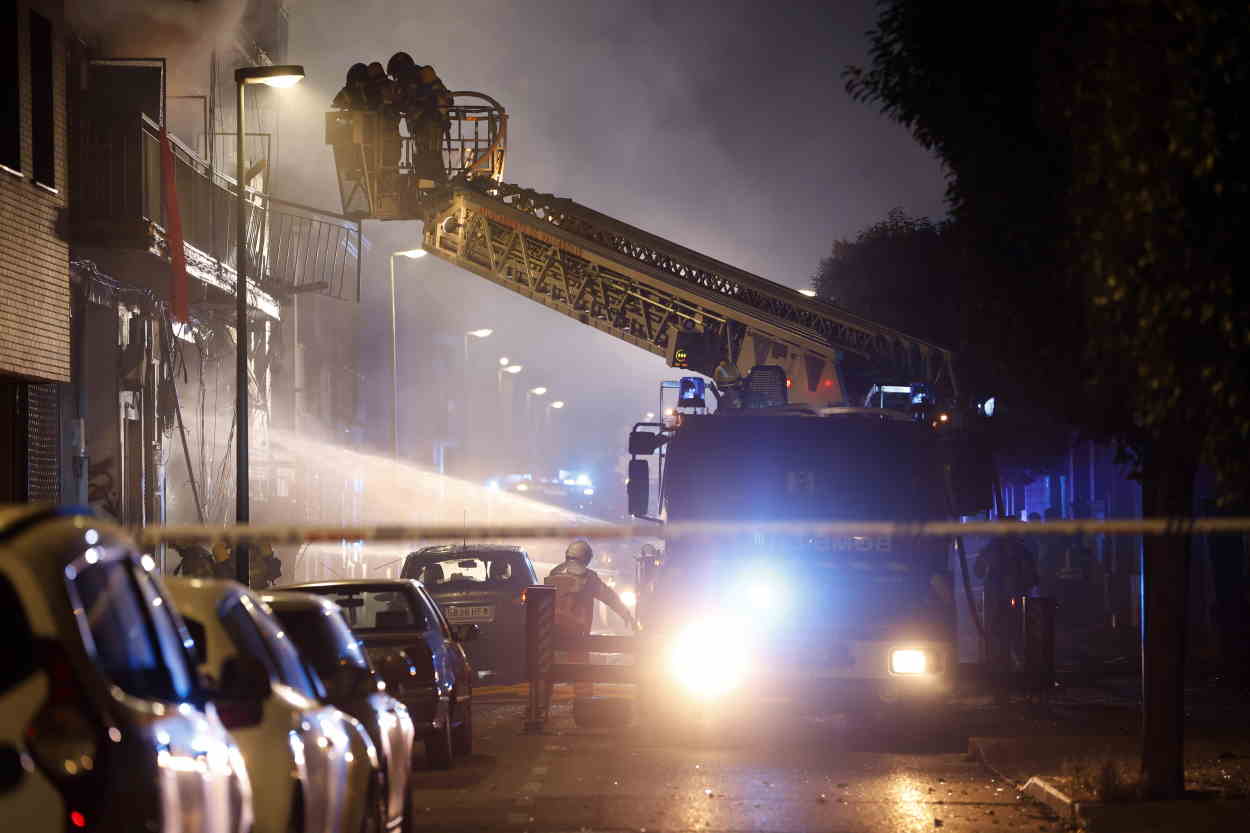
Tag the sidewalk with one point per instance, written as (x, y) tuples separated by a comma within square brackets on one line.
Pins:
[(1080, 758)]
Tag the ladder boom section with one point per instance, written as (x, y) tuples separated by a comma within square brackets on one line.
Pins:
[(644, 290)]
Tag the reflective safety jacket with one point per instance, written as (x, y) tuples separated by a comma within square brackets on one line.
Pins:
[(577, 586)]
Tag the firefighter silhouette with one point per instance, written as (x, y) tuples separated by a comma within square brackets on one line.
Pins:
[(577, 588)]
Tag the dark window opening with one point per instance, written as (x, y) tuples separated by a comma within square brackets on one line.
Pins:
[(42, 126), (11, 79)]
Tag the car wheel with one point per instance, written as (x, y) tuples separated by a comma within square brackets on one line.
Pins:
[(462, 736), (438, 747)]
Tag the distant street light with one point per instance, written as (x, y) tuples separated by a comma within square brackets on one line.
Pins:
[(285, 75), (513, 369), (504, 361), (558, 404), (810, 293), (538, 391), (482, 333), (411, 254)]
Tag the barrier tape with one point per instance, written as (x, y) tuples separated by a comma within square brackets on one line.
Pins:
[(396, 533)]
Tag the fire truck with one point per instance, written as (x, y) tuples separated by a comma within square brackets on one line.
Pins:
[(836, 418)]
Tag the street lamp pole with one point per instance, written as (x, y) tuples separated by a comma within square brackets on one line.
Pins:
[(273, 76), (468, 412), (411, 254)]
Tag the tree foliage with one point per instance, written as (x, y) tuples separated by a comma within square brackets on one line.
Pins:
[(1098, 183)]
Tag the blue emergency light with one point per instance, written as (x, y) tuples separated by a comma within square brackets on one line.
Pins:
[(690, 393)]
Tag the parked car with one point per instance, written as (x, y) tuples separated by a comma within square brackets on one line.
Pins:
[(320, 633), (313, 767), (103, 723), (483, 585), (417, 653)]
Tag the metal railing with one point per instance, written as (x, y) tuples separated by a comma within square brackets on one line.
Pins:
[(118, 201)]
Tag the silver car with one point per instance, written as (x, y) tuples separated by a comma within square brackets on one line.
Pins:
[(313, 767), (103, 723)]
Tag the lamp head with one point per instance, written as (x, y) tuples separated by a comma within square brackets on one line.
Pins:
[(411, 254), (482, 333), (279, 75)]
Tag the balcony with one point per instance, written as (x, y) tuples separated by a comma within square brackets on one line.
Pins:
[(118, 219)]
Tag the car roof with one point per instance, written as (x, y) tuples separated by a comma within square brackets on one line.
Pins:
[(203, 596), (458, 549), (351, 584), (62, 542), (295, 600)]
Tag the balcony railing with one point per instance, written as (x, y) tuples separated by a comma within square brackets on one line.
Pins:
[(118, 202)]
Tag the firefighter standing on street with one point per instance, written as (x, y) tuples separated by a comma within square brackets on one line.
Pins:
[(577, 587), (1007, 570)]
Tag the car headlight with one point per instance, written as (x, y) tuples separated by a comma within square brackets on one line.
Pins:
[(909, 661), (710, 658)]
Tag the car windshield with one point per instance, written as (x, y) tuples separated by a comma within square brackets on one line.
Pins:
[(325, 642), (378, 610), (133, 649), (470, 571)]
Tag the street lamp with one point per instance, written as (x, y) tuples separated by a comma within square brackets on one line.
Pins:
[(504, 361), (538, 391), (273, 76), (810, 293), (485, 332), (411, 254), (558, 404)]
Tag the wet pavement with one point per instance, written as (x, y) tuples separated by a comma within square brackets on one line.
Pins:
[(808, 772)]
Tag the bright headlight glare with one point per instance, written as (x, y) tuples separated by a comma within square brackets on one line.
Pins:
[(710, 658), (909, 661)]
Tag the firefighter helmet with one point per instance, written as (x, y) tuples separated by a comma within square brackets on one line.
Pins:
[(580, 550), (400, 66)]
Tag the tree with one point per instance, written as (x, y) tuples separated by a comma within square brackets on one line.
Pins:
[(921, 277), (1097, 165)]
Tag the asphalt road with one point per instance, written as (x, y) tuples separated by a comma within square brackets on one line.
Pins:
[(809, 772)]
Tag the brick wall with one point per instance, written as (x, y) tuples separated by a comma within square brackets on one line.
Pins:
[(34, 256)]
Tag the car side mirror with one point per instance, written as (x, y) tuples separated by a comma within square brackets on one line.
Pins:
[(466, 633), (639, 487)]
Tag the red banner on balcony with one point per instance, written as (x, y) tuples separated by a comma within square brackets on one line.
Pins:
[(179, 291)]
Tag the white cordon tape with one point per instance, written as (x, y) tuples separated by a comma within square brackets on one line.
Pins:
[(284, 534)]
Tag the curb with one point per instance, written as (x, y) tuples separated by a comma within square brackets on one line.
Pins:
[(1035, 788), (1059, 802)]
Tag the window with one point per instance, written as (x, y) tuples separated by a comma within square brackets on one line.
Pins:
[(11, 78), (324, 641), (254, 632), (123, 638), (379, 610), (470, 572), (42, 126)]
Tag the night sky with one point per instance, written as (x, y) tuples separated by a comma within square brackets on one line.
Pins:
[(722, 126)]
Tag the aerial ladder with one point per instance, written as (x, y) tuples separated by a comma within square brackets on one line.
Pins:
[(691, 309)]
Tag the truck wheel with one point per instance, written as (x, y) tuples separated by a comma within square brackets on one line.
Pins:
[(438, 747)]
